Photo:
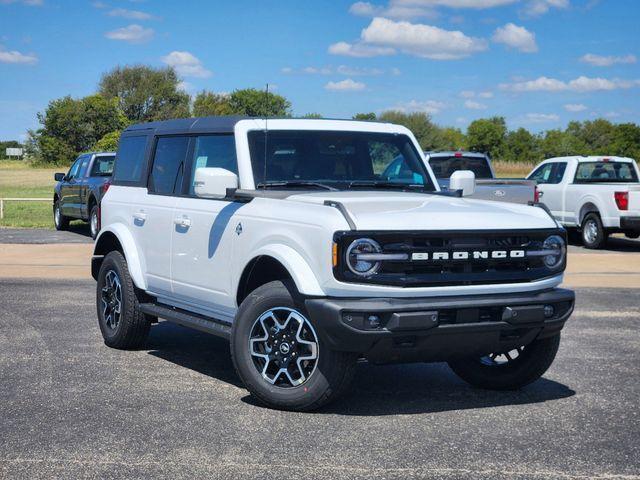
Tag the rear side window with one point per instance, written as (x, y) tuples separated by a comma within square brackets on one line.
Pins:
[(605, 172), (102, 166), (168, 165), (129, 161), (213, 151)]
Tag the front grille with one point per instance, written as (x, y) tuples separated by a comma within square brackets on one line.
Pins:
[(471, 271)]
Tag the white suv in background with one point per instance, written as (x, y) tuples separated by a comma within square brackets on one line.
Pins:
[(286, 237)]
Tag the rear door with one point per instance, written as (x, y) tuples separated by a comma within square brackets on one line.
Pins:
[(202, 233)]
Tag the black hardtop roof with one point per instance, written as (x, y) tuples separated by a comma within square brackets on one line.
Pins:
[(223, 124), (188, 125)]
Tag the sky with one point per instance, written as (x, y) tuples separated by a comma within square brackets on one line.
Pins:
[(538, 63)]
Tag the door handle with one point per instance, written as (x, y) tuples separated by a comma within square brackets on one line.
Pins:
[(141, 216), (184, 222)]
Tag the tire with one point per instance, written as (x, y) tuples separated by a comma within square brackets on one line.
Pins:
[(632, 235), (306, 385), (593, 233), (94, 221), (121, 322), (532, 362), (60, 221)]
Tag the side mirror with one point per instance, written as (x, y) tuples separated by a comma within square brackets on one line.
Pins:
[(213, 182), (58, 177), (464, 180)]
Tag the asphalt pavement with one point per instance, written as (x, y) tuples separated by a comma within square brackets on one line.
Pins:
[(73, 408)]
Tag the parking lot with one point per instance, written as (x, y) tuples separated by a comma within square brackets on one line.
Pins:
[(73, 408)]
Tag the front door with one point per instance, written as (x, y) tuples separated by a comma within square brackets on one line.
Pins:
[(203, 234), (69, 191)]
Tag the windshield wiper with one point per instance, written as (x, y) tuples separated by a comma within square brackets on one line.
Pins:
[(383, 184), (295, 184)]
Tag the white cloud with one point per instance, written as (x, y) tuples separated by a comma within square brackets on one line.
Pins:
[(421, 40), (357, 72), (185, 86), (472, 94), (133, 34), (130, 14), (317, 70), (535, 8), (580, 84), (575, 107), (473, 105), (516, 37), (541, 117), (397, 9), (486, 94), (607, 61), (430, 106), (13, 56), (30, 3), (467, 94), (347, 85), (98, 4), (612, 114), (186, 64), (474, 4), (359, 50), (345, 70)]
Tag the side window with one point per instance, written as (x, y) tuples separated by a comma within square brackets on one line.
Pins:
[(542, 174), (102, 166), (168, 165), (213, 151), (73, 171), (559, 173), (83, 166), (129, 160)]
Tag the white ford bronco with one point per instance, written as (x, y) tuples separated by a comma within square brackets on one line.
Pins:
[(286, 237)]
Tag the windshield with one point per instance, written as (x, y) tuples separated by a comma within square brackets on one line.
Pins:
[(594, 172), (443, 167), (336, 159)]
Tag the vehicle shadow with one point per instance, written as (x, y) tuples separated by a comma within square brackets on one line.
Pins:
[(617, 243), (376, 390), (80, 228)]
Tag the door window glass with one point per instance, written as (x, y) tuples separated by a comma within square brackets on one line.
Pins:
[(103, 166), (559, 172), (84, 163), (213, 151), (73, 171), (542, 174), (130, 159), (168, 165)]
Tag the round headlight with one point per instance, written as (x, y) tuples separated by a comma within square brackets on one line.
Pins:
[(357, 257), (556, 249)]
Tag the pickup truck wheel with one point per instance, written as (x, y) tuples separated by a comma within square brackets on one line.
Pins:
[(593, 233), (632, 235), (279, 355), (59, 220), (94, 222), (509, 370), (121, 322)]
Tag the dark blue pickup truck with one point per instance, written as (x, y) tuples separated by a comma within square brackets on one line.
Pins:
[(78, 192)]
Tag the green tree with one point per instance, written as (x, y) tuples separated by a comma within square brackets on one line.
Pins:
[(364, 116), (521, 146), (108, 143), (487, 135), (258, 103), (426, 132), (558, 143), (209, 103), (626, 141), (452, 139), (71, 126), (145, 93), (312, 115)]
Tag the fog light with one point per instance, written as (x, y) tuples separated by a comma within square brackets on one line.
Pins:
[(549, 311), (373, 321)]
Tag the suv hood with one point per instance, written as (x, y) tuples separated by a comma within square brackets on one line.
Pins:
[(418, 211)]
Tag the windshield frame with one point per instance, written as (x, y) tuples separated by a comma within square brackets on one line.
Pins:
[(429, 182)]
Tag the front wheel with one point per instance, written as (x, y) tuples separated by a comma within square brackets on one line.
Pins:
[(509, 370), (59, 220), (279, 355)]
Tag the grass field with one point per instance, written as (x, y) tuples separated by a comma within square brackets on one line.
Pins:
[(18, 179)]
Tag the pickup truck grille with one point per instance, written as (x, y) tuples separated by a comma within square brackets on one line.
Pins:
[(481, 258)]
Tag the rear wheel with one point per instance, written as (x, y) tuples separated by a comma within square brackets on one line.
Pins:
[(279, 355), (121, 322), (94, 222), (632, 235), (593, 233), (509, 370), (59, 220)]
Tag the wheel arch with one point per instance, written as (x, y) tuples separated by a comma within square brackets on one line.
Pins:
[(276, 262), (588, 207), (117, 237)]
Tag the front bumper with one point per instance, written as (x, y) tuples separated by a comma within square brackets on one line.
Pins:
[(630, 224), (438, 329)]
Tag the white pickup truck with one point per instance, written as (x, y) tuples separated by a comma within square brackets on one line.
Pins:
[(598, 195), (284, 237)]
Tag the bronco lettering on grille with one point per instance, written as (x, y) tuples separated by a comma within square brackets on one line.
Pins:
[(468, 255)]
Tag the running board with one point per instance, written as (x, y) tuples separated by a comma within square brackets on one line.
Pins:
[(188, 319)]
